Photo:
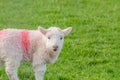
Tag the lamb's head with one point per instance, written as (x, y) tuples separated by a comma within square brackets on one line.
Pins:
[(54, 38)]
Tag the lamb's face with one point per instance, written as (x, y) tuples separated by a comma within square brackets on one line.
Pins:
[(54, 38)]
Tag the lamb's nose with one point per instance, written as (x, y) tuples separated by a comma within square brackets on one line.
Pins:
[(55, 47)]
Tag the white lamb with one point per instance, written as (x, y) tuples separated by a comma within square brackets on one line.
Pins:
[(40, 46)]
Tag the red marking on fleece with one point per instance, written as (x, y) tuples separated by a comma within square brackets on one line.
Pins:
[(25, 42), (2, 33)]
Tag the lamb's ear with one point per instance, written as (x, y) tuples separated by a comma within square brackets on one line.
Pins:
[(67, 31), (42, 30)]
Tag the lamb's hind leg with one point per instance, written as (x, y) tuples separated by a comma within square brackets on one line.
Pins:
[(12, 68)]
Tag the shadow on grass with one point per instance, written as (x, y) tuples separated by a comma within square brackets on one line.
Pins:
[(98, 62), (63, 78)]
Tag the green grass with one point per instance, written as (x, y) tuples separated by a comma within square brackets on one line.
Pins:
[(91, 51)]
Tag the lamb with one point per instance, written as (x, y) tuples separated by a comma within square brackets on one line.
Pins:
[(41, 47)]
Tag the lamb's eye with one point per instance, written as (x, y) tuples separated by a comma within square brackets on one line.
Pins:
[(48, 37), (61, 38)]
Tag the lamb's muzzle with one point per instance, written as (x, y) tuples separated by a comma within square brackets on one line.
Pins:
[(55, 47)]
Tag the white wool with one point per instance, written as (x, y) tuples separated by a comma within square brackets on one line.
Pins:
[(45, 47)]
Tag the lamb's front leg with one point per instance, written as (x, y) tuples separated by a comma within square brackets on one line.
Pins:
[(12, 68), (39, 70)]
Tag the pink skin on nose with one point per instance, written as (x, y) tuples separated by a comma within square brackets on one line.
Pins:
[(25, 42)]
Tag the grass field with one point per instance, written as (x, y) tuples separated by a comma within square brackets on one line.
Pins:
[(91, 51)]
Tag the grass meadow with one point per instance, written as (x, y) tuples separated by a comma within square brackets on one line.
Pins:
[(90, 52)]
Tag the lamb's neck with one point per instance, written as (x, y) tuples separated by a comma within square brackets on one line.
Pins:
[(36, 40)]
